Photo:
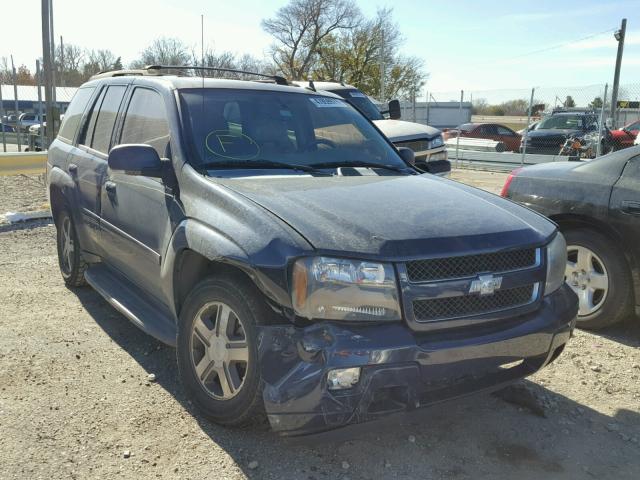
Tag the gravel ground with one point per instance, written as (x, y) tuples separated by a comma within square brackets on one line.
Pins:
[(76, 400)]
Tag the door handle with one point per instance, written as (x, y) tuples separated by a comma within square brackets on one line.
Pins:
[(110, 187), (631, 207), (73, 169)]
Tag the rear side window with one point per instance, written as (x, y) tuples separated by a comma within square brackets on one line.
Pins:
[(107, 118), (146, 121), (74, 113)]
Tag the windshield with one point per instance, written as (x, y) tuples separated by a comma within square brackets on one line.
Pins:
[(229, 126), (361, 102), (562, 122)]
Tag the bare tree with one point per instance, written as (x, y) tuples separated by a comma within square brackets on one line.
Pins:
[(354, 56), (300, 27), (164, 51)]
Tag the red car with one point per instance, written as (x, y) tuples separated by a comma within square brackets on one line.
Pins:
[(625, 136), (489, 131)]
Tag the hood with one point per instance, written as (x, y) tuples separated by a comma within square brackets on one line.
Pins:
[(554, 132), (394, 216), (399, 130)]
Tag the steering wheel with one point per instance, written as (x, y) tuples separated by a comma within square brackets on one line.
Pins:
[(321, 141)]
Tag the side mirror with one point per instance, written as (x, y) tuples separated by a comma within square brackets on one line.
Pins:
[(394, 110), (140, 160), (407, 155)]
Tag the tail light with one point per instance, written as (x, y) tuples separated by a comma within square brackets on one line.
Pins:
[(507, 184)]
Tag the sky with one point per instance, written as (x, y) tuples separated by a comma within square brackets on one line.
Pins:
[(470, 45)]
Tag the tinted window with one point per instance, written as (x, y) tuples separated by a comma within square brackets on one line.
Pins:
[(504, 131), (232, 126), (74, 113), (562, 122), (146, 121), (361, 102), (467, 127), (86, 136), (106, 118)]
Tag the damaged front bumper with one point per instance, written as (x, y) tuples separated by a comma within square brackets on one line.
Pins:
[(401, 369)]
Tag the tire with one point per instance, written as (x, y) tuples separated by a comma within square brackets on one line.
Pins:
[(608, 305), (72, 265), (241, 403)]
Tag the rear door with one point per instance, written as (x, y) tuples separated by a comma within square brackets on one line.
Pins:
[(510, 138), (137, 211), (88, 164)]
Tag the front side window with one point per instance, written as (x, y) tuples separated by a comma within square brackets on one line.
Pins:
[(231, 126), (146, 122), (74, 112)]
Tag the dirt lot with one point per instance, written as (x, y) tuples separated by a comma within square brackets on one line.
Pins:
[(75, 400)]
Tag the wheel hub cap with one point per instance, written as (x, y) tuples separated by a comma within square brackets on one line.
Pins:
[(219, 350), (587, 276)]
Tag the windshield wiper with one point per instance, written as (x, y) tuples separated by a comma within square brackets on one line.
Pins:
[(260, 164), (362, 164)]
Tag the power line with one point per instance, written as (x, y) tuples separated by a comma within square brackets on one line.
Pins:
[(560, 45)]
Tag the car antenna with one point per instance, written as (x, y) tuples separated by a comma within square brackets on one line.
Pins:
[(312, 86)]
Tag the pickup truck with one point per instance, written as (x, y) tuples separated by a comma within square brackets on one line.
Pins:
[(426, 142), (304, 269)]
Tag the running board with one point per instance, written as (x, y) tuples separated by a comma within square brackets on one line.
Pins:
[(128, 299)]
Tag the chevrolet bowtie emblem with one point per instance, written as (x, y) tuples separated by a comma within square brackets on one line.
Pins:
[(485, 284)]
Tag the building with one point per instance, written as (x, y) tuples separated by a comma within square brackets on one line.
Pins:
[(28, 98)]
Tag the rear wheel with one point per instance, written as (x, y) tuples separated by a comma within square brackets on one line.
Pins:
[(72, 265), (597, 272), (218, 352)]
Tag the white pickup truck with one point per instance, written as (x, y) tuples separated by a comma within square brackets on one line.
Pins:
[(425, 141)]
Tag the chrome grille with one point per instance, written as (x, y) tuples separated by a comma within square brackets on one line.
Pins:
[(433, 309), (470, 265), (415, 145)]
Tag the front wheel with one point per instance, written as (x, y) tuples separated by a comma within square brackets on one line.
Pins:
[(218, 350), (597, 272)]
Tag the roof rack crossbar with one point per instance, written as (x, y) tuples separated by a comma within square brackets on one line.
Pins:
[(276, 78)]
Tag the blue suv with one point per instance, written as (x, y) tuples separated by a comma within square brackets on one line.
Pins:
[(302, 267)]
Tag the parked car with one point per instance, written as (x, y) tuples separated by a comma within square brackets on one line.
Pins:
[(552, 131), (531, 127), (488, 131), (6, 128), (426, 142), (299, 263), (625, 136), (597, 207), (27, 120)]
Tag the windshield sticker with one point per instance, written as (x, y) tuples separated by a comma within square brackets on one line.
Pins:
[(232, 144), (323, 102), (357, 94)]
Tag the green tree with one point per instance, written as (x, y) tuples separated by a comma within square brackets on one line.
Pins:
[(355, 56), (596, 104)]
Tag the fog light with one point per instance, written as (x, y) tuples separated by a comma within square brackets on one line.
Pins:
[(343, 378)]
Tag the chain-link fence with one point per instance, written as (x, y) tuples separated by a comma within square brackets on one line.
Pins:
[(531, 125), (22, 115)]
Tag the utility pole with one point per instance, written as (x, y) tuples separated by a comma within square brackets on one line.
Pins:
[(619, 36), (15, 102), (382, 95), (61, 76), (47, 68)]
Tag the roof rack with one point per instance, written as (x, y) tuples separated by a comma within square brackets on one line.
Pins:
[(276, 78), (157, 70)]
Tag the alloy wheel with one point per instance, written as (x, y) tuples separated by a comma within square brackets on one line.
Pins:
[(587, 276), (68, 246), (219, 350)]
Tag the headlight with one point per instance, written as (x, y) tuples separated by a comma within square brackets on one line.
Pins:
[(556, 263), (340, 289), (436, 142)]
